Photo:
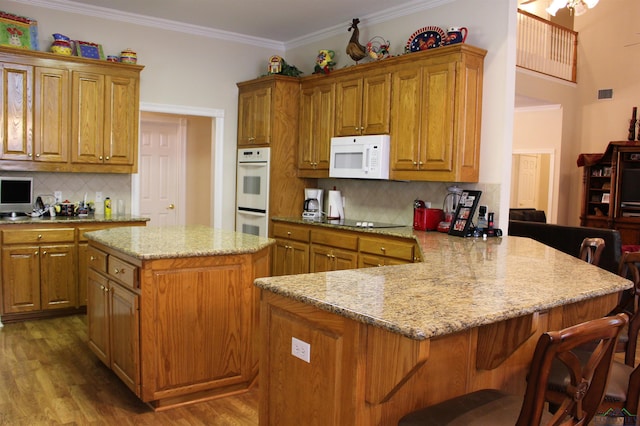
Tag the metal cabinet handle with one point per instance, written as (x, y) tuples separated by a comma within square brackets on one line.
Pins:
[(92, 258), (39, 236)]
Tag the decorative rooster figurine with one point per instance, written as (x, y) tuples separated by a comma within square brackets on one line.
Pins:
[(354, 49)]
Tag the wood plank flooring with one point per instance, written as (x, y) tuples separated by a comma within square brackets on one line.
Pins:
[(48, 376)]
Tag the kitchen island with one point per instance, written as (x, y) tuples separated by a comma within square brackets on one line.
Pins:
[(385, 341), (173, 312)]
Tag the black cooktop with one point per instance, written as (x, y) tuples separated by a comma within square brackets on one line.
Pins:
[(362, 223)]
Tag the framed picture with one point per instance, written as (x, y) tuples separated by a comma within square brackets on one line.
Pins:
[(18, 31), (605, 197), (461, 223), (85, 49)]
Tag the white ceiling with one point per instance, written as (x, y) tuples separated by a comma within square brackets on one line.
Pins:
[(275, 20)]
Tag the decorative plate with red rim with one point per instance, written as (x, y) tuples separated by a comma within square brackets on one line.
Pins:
[(426, 38)]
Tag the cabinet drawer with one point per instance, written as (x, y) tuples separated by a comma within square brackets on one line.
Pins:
[(338, 239), (386, 247), (36, 236), (96, 259), (292, 232), (124, 272)]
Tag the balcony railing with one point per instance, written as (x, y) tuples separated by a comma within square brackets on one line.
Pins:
[(545, 47)]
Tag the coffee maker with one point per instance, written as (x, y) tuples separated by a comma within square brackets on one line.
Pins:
[(312, 209)]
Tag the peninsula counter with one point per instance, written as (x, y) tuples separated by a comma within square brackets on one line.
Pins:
[(173, 312), (385, 341)]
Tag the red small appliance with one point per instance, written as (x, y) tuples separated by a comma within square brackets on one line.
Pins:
[(426, 219)]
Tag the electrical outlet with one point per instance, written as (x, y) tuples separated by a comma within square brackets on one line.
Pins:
[(301, 349), (58, 196), (98, 197)]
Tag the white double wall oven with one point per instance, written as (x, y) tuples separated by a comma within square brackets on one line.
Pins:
[(252, 196)]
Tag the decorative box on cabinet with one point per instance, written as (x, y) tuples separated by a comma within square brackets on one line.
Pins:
[(68, 114)]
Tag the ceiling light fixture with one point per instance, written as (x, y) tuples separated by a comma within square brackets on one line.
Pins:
[(577, 7)]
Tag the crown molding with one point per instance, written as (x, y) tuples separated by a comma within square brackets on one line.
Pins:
[(165, 24), (147, 21)]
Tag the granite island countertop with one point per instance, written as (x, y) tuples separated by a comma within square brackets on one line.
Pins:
[(462, 283), (178, 241)]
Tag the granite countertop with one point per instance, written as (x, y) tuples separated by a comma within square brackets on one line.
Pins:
[(397, 231), (178, 241), (26, 220), (462, 283)]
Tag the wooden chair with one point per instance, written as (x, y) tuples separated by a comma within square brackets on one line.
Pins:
[(581, 399), (629, 304), (623, 388), (591, 249)]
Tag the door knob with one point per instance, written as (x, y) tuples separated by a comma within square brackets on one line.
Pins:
[(171, 207)]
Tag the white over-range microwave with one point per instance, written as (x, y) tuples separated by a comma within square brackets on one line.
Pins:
[(360, 157)]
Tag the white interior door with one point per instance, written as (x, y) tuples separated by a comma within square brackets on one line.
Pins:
[(527, 182), (162, 140)]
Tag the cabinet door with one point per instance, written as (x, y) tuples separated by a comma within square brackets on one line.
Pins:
[(406, 113), (125, 335), (290, 258), (344, 259), (325, 258), (438, 102), (349, 106), (83, 260), (316, 129), (376, 104), (87, 118), (58, 282), (51, 138), (20, 279), (254, 117), (370, 261), (16, 111), (121, 120), (98, 316)]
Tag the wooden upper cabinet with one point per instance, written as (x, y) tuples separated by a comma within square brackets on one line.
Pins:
[(67, 114), (254, 116), (104, 119), (363, 104), (16, 114), (436, 116), (317, 102), (121, 120), (87, 118), (52, 93)]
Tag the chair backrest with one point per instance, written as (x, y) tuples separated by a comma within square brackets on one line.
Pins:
[(587, 382), (591, 249)]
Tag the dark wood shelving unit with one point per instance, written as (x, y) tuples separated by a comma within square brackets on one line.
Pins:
[(611, 190)]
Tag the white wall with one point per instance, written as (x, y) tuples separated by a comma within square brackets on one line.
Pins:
[(180, 69), (189, 70)]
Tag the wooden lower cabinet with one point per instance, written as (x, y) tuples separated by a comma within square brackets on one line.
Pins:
[(38, 276), (326, 258), (360, 374), (301, 249), (114, 326), (44, 268), (176, 330)]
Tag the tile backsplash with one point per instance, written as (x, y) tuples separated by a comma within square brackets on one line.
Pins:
[(74, 186), (392, 201)]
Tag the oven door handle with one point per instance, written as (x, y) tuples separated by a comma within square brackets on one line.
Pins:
[(253, 212)]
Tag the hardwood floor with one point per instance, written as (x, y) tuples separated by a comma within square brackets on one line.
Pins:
[(48, 376)]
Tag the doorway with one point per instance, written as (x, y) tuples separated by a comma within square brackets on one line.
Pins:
[(178, 148), (531, 181)]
